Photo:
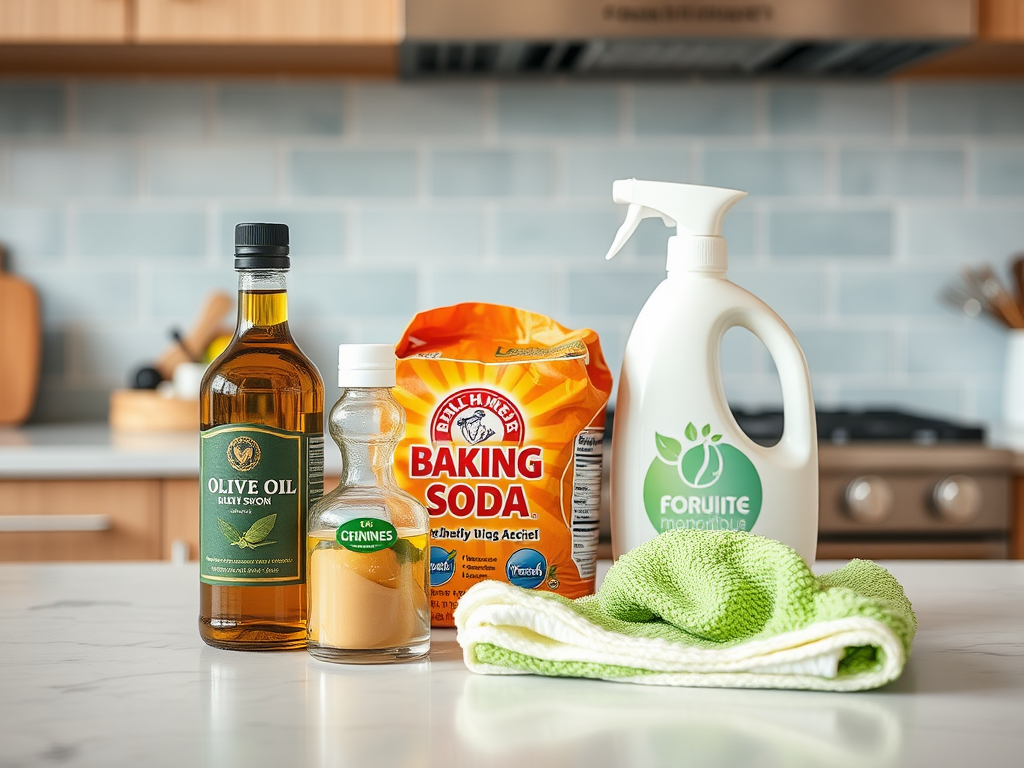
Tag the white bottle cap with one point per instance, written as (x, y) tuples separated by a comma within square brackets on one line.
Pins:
[(366, 365)]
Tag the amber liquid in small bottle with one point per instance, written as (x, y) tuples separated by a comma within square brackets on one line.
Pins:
[(261, 378)]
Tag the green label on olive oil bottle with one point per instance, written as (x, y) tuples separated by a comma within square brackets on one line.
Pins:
[(257, 485)]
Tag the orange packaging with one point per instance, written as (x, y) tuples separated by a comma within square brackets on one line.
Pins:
[(505, 414)]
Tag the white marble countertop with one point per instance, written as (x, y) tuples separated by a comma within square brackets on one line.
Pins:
[(102, 665), (96, 451)]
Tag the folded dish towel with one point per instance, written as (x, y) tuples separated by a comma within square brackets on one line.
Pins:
[(700, 608)]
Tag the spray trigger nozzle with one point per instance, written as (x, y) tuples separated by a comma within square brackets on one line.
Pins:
[(634, 215)]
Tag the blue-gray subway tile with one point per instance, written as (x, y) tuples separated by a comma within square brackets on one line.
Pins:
[(110, 354), (287, 109), (674, 110), (491, 173), (791, 293), (376, 329), (846, 110), (944, 401), (830, 233), (353, 293), (752, 392), (901, 172), (140, 108), (71, 172), (176, 294), (954, 347), (74, 294), (767, 171), (311, 232), (61, 403), (611, 330), (964, 236), (985, 402), (975, 108), (30, 232), (570, 110), (893, 292), (590, 172), (130, 233), (531, 290), (841, 351), (1000, 172), (318, 338), (739, 351), (423, 109), (554, 232), (611, 292), (738, 231), (210, 172), (418, 233), (31, 109), (353, 173)]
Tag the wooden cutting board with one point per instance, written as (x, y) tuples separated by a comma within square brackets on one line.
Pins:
[(20, 345)]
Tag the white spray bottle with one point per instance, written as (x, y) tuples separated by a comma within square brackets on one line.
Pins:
[(679, 459)]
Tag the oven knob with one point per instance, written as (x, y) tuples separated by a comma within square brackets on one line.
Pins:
[(957, 498), (869, 499)]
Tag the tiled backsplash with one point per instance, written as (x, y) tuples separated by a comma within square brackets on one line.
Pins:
[(118, 199)]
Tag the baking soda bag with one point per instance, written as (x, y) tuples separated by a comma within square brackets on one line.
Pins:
[(505, 417)]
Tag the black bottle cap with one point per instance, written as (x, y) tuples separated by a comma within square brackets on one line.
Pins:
[(261, 246)]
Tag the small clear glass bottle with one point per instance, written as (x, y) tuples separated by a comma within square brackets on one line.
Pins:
[(368, 582)]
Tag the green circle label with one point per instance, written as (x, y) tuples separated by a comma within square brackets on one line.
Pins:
[(366, 534)]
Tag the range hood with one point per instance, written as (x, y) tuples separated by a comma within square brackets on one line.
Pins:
[(816, 38)]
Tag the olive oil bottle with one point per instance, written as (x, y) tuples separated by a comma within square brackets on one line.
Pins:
[(261, 461)]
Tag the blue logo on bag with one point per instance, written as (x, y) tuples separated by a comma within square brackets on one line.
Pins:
[(526, 568), (442, 566)]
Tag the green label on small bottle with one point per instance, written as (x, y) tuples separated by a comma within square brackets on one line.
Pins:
[(367, 534), (257, 484)]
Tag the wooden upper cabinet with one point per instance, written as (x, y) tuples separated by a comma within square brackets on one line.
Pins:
[(368, 22), (1001, 19), (64, 21)]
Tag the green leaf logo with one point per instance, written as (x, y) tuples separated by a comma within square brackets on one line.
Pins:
[(230, 532), (260, 529), (706, 431), (691, 431), (668, 448), (252, 538)]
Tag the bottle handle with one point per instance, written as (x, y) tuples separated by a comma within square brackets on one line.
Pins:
[(799, 436)]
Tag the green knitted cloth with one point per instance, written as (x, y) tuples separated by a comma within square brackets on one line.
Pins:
[(700, 608)]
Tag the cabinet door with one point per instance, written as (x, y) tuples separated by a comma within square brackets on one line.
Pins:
[(1001, 19), (180, 502), (63, 21), (47, 520), (268, 21)]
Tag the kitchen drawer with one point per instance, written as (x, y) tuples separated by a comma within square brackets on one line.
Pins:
[(79, 520)]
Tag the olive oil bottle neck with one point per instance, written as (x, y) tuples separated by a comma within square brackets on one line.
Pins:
[(262, 299)]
